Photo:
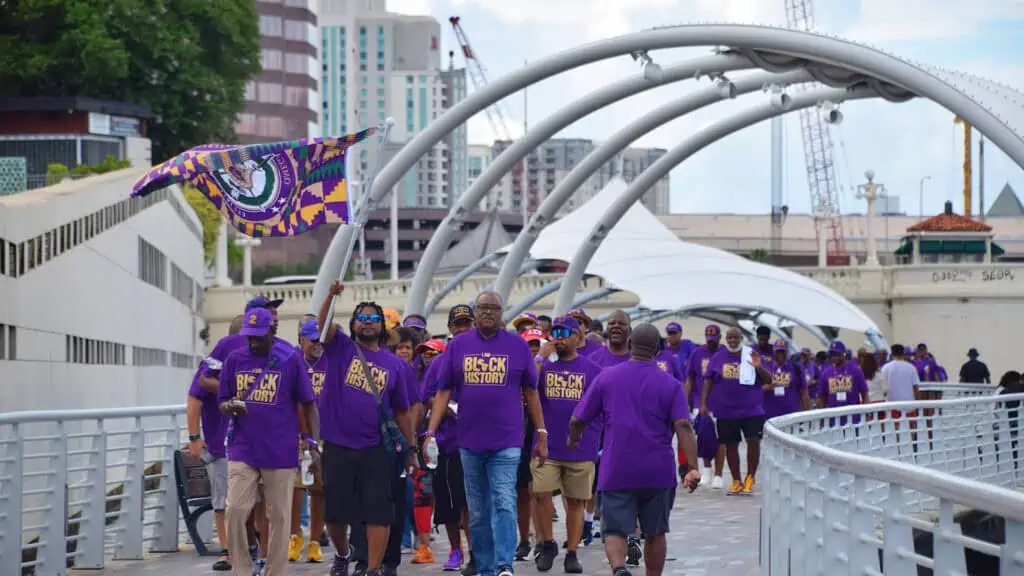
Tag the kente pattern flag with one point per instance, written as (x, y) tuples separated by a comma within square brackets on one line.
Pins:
[(275, 189)]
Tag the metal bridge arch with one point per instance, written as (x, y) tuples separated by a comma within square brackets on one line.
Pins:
[(995, 110)]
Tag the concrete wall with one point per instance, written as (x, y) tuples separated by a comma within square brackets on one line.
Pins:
[(952, 308), (92, 290)]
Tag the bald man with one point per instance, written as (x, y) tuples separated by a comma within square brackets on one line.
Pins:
[(641, 407)]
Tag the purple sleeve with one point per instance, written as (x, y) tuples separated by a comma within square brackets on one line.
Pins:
[(303, 386), (679, 408), (796, 375), (399, 400), (445, 380), (429, 385), (823, 383), (676, 371), (226, 388), (591, 405), (530, 371), (196, 390), (412, 394)]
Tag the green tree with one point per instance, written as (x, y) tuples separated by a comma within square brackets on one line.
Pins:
[(209, 217), (187, 60)]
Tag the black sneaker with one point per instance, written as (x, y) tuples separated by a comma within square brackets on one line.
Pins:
[(572, 564), (360, 570), (634, 553), (545, 558), (587, 537), (505, 571), (621, 571), (388, 571), (470, 568), (340, 566), (523, 551), (324, 541), (222, 564)]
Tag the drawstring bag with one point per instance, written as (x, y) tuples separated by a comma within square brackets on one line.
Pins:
[(707, 438)]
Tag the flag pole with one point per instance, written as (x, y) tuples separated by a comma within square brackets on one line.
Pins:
[(362, 214)]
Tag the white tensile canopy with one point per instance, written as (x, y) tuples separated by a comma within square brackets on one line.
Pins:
[(642, 256)]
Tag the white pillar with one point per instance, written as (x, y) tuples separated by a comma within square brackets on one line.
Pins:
[(822, 243), (394, 233), (220, 277), (247, 245), (872, 259), (988, 249)]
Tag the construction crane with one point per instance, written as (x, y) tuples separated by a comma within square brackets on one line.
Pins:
[(817, 140), (968, 166), (495, 115)]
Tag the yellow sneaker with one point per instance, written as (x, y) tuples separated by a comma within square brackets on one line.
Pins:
[(424, 555), (748, 485), (736, 488), (313, 553), (295, 546)]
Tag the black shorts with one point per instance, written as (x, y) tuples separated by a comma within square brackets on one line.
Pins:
[(622, 509), (525, 477), (732, 430), (449, 489), (357, 485)]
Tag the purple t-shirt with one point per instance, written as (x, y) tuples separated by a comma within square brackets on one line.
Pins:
[(732, 399), (696, 372), (489, 375), (224, 347), (317, 370), (561, 387), (604, 357), (668, 361), (639, 405), (587, 349), (210, 417), (926, 370), (841, 386), (267, 435), (809, 371), (786, 394), (412, 388), (349, 415), (447, 434)]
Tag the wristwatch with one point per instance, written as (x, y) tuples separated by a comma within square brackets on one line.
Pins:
[(414, 449), (193, 437)]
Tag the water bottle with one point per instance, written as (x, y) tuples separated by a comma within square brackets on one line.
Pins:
[(307, 469), (430, 452)]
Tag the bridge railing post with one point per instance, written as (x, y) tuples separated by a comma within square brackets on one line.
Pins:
[(92, 523), (166, 538), (52, 550), (11, 501), (130, 519)]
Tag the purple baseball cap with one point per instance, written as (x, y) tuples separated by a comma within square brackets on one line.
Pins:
[(310, 330), (780, 345), (257, 322), (712, 332), (673, 328), (414, 321), (837, 347), (567, 322), (261, 301), (581, 316)]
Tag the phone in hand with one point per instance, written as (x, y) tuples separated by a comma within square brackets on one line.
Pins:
[(237, 406)]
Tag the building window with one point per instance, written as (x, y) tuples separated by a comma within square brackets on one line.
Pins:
[(297, 63), (152, 265), (298, 31), (270, 26), (270, 127), (250, 91), (297, 96), (246, 123), (270, 93), (271, 59)]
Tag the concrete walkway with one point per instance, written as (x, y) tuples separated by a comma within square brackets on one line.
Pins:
[(712, 534)]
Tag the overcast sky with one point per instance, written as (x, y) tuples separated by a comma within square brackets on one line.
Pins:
[(901, 143)]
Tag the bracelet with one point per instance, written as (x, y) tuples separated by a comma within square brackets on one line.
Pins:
[(542, 431)]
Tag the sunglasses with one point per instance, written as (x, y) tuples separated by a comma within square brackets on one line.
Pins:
[(373, 318), (429, 353), (560, 332)]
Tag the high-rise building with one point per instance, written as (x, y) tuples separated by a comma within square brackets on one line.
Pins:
[(283, 103), (375, 65), (546, 166), (457, 141)]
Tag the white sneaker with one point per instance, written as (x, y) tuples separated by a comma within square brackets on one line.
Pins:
[(705, 476), (716, 483)]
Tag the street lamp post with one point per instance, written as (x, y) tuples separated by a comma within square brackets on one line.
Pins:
[(871, 191), (920, 197)]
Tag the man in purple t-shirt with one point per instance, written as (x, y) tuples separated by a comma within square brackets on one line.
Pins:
[(739, 407), (616, 350), (562, 384), (708, 448), (263, 390), (202, 408), (491, 369), (364, 396), (641, 407)]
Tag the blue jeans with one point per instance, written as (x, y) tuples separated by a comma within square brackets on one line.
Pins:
[(304, 515), (490, 479)]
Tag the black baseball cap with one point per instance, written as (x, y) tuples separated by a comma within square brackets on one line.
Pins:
[(460, 312)]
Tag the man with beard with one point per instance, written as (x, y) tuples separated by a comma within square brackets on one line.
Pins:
[(587, 346), (617, 349), (739, 408), (449, 492), (696, 374), (263, 390), (681, 347), (491, 369), (363, 401), (641, 407), (562, 386)]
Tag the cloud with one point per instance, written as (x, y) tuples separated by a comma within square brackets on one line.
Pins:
[(915, 20)]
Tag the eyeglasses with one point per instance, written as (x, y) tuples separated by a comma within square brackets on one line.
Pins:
[(429, 353), (373, 318), (560, 332)]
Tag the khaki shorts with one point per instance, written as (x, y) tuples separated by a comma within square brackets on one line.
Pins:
[(574, 479)]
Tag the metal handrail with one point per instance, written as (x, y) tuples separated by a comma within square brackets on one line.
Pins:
[(971, 493)]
